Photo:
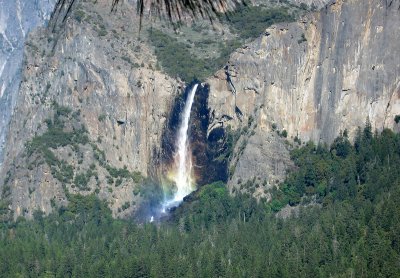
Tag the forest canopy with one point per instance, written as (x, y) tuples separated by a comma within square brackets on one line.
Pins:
[(348, 200)]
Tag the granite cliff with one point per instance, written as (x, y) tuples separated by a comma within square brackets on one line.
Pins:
[(87, 73), (93, 105), (330, 71), (17, 19)]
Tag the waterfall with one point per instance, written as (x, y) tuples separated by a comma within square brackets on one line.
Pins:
[(182, 157), (183, 161)]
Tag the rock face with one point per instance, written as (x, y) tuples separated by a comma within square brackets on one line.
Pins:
[(207, 150), (91, 110), (313, 4), (311, 79), (89, 74), (17, 19)]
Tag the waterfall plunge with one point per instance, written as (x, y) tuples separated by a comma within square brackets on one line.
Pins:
[(182, 157)]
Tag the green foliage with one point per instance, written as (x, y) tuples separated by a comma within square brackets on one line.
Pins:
[(81, 180), (102, 117), (115, 173), (101, 30), (64, 173), (6, 180), (79, 15), (5, 211), (125, 206), (302, 39), (151, 193), (128, 59), (124, 173), (85, 208), (343, 170), (250, 21), (212, 205), (303, 6), (177, 60), (297, 140), (251, 120), (136, 191), (231, 138), (353, 233), (55, 136)]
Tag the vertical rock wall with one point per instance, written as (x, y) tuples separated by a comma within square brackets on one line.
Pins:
[(327, 72), (17, 19), (93, 62)]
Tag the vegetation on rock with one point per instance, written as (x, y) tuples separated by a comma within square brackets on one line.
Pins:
[(65, 130), (351, 229), (178, 59), (251, 21)]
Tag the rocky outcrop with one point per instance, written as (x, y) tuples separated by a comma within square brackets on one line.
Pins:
[(89, 61), (17, 19), (309, 80)]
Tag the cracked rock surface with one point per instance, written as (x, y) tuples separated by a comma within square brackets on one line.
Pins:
[(328, 72)]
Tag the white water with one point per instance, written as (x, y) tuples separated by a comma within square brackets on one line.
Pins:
[(183, 163)]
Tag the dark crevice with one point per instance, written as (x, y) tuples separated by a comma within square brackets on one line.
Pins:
[(68, 11), (60, 14)]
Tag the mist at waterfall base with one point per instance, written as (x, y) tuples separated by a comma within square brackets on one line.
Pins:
[(191, 156), (181, 173)]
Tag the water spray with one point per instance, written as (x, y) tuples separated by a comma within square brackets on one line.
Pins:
[(182, 167)]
